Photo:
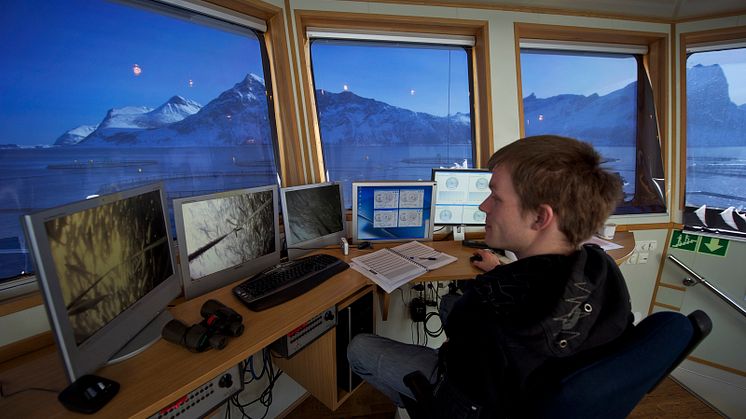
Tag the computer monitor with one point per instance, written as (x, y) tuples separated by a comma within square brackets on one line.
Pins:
[(106, 269), (313, 216), (227, 236), (460, 192), (392, 210)]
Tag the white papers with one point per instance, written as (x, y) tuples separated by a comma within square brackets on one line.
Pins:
[(392, 268), (424, 255), (604, 244), (387, 269)]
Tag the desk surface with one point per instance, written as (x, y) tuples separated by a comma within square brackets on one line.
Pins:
[(164, 372)]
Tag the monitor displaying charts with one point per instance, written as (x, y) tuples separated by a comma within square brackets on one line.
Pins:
[(460, 191), (392, 211)]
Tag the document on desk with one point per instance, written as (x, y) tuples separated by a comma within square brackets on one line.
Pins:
[(604, 244), (394, 267)]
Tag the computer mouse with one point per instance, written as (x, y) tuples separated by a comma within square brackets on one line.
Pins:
[(475, 258)]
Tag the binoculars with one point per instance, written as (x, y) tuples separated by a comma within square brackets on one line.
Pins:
[(218, 323)]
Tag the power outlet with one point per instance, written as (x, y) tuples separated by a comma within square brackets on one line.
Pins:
[(645, 245)]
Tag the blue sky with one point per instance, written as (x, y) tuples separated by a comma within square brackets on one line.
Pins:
[(65, 63), (415, 78), (574, 74)]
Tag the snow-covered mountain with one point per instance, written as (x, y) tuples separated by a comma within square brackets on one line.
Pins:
[(239, 116), (236, 116), (133, 119), (348, 118), (603, 120), (712, 118), (75, 135)]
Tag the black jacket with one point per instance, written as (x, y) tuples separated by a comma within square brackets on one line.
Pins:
[(523, 315)]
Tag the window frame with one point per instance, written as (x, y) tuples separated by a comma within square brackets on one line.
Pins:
[(654, 63), (22, 292), (687, 40), (314, 170)]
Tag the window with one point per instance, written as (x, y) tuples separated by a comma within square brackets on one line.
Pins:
[(716, 139), (104, 96), (595, 93), (391, 110)]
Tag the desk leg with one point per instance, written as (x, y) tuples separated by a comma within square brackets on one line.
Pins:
[(384, 299)]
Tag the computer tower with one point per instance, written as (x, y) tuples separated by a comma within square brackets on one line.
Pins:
[(351, 320)]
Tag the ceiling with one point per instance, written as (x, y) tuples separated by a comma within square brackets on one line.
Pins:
[(667, 10)]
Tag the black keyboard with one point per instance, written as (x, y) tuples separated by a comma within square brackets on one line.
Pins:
[(287, 280)]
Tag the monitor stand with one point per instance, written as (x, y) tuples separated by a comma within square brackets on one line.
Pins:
[(146, 337), (458, 233)]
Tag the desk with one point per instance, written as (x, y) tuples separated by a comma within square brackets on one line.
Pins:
[(164, 372)]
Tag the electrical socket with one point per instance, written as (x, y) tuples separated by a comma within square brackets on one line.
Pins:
[(645, 245)]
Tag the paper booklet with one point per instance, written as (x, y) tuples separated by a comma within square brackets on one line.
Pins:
[(390, 268)]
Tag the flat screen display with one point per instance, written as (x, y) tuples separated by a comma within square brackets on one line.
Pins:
[(392, 211), (106, 268), (460, 192), (225, 237), (313, 217)]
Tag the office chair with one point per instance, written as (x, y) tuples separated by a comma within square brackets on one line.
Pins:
[(611, 382)]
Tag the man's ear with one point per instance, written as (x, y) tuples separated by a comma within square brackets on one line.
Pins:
[(544, 217)]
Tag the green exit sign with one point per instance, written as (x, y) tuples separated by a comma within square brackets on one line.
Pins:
[(713, 246), (684, 241)]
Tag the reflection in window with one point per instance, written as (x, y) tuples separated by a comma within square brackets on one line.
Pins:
[(716, 139), (588, 96), (102, 96), (391, 110)]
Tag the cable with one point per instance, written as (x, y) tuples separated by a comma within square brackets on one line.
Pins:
[(265, 398), (429, 332), (4, 395)]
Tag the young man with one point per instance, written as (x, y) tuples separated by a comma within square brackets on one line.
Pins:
[(557, 302)]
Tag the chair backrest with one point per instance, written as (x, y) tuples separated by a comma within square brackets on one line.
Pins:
[(612, 386), (613, 382)]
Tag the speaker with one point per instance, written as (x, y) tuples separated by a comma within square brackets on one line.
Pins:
[(351, 320)]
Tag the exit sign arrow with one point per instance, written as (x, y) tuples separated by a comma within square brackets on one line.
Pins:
[(713, 246)]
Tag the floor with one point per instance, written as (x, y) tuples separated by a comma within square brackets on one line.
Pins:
[(669, 400)]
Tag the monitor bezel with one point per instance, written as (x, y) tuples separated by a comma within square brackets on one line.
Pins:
[(215, 280), (445, 170), (392, 183), (103, 344), (295, 251)]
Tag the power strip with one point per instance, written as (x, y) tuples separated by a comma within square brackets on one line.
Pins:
[(197, 403)]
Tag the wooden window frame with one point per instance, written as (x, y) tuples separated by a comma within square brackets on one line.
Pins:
[(655, 62), (483, 144), (715, 35)]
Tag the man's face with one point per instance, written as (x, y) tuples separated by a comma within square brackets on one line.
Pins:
[(506, 228)]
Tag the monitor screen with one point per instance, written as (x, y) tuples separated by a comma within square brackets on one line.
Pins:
[(460, 192), (313, 216), (106, 269), (392, 211), (226, 236)]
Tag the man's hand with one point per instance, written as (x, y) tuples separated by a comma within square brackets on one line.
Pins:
[(485, 259)]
